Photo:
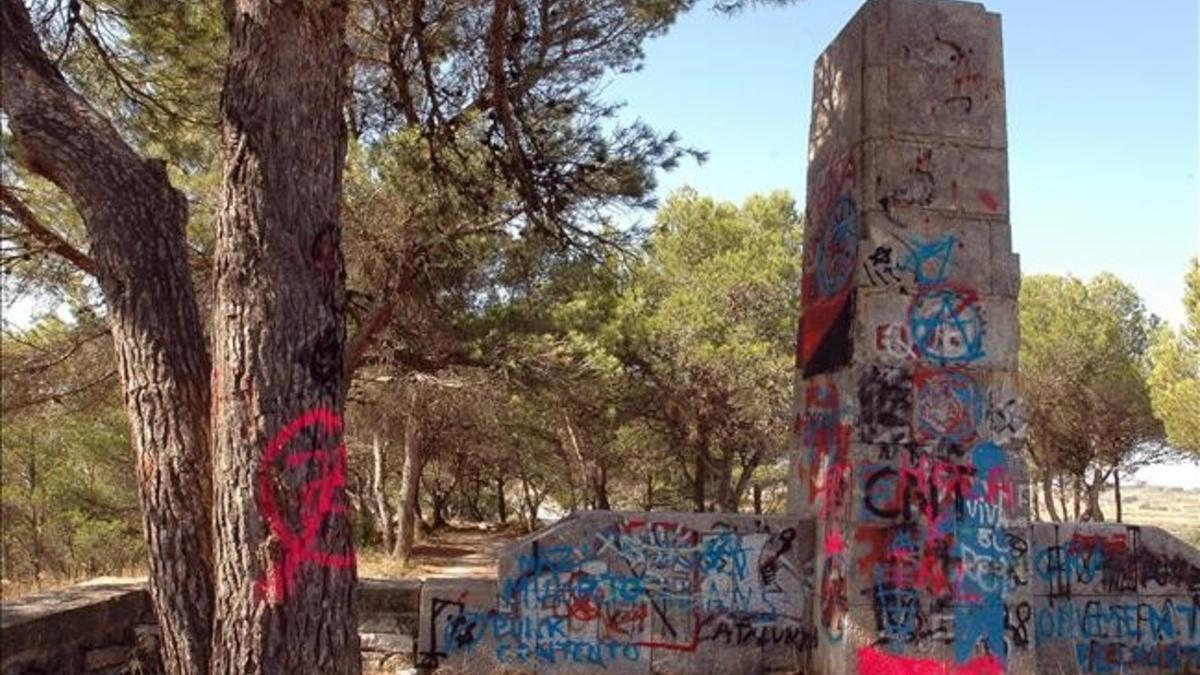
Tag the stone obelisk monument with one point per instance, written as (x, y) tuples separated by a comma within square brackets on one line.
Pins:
[(907, 427)]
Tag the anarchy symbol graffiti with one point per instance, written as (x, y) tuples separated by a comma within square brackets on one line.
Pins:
[(946, 325), (319, 498)]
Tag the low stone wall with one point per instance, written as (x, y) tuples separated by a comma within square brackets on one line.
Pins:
[(634, 593), (675, 593), (107, 627), (719, 593)]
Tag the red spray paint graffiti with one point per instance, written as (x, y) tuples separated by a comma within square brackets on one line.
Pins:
[(873, 661), (320, 498), (831, 254)]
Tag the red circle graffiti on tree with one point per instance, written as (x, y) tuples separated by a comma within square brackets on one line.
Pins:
[(319, 499)]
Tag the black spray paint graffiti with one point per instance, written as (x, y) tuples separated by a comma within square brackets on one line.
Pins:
[(1111, 563), (631, 588), (885, 403)]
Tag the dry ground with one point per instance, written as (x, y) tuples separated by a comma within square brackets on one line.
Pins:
[(463, 551), (1176, 510)]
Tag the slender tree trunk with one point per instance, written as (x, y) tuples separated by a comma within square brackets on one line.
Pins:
[(501, 503), (285, 557), (378, 472), (1117, 493), (699, 498), (437, 504), (1062, 497), (410, 482), (473, 498), (745, 478), (1093, 492), (532, 503), (1037, 510), (594, 475), (601, 488), (35, 515), (758, 501), (135, 223), (648, 502), (1075, 496), (725, 496)]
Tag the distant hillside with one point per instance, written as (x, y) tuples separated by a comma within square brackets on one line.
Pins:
[(1174, 509)]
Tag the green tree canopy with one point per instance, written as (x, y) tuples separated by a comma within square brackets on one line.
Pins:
[(1175, 378)]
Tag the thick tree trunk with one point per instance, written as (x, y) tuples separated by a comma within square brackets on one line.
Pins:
[(378, 466), (285, 557), (1117, 494), (410, 482), (135, 223), (1048, 493)]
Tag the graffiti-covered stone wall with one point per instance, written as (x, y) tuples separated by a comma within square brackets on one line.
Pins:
[(635, 593), (1112, 599)]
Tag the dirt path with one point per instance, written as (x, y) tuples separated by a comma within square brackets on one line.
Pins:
[(449, 553)]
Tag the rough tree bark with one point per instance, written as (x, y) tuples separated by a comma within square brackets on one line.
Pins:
[(285, 573), (135, 223), (410, 481)]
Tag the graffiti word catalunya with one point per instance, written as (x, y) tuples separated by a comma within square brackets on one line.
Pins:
[(298, 456)]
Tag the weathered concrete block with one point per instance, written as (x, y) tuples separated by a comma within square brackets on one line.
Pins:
[(935, 249), (945, 71), (942, 326), (903, 179)]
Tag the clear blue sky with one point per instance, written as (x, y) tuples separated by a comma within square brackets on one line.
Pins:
[(1102, 123)]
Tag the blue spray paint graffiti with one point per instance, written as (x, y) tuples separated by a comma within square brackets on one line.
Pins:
[(837, 251), (946, 325)]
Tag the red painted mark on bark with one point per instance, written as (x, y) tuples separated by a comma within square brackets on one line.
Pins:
[(989, 200), (873, 661), (319, 499)]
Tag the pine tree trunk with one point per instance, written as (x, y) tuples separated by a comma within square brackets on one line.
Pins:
[(1093, 491), (1048, 493), (380, 494), (1075, 490), (410, 482), (1037, 506), (1117, 493), (698, 496), (135, 223), (284, 545), (501, 503)]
